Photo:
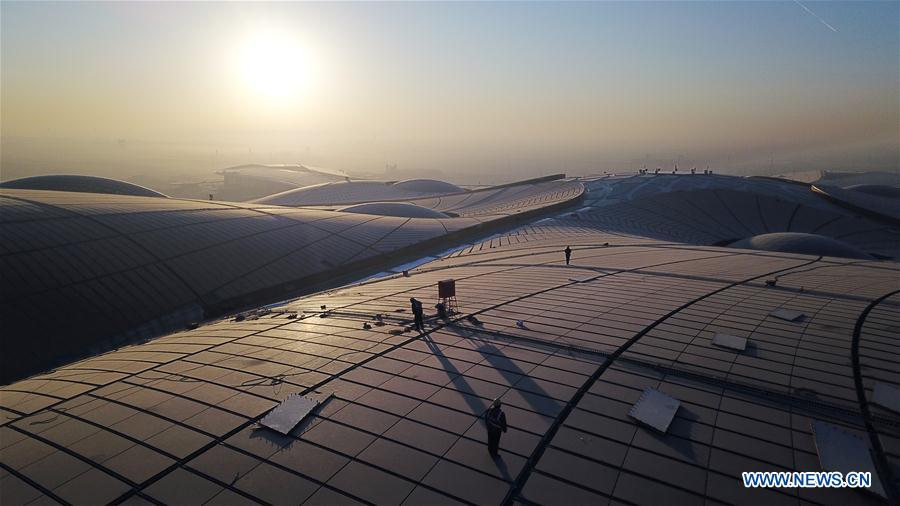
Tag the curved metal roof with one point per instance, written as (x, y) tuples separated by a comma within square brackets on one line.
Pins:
[(117, 268), (428, 186), (880, 190), (83, 184), (404, 209), (795, 242), (175, 420), (342, 192), (723, 209), (569, 350)]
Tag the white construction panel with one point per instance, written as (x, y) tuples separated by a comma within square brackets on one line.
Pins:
[(655, 409), (887, 396), (729, 341), (285, 416), (787, 314), (842, 451), (584, 279)]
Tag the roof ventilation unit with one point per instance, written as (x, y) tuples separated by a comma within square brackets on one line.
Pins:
[(732, 342), (842, 451), (787, 314), (285, 416), (655, 409)]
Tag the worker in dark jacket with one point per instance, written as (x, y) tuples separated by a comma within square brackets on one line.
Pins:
[(568, 252), (417, 313), (495, 419)]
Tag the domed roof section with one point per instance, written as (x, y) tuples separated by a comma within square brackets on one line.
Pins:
[(428, 186), (402, 209), (81, 184), (339, 192), (795, 242), (358, 192)]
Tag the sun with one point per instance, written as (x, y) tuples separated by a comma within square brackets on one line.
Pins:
[(274, 66)]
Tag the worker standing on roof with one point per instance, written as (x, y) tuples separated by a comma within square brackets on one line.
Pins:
[(495, 419), (417, 313), (568, 252)]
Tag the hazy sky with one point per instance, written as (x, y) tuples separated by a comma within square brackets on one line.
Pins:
[(470, 87)]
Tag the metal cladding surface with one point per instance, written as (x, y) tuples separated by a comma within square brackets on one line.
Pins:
[(83, 272), (82, 184), (393, 209), (719, 210), (797, 242), (344, 192), (245, 182), (175, 420), (428, 186)]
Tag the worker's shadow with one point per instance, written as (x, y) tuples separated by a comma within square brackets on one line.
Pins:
[(477, 405), (512, 373), (502, 467), (541, 403)]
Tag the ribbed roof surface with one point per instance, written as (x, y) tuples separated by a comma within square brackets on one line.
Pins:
[(393, 209), (177, 416), (342, 192), (794, 242), (83, 184), (86, 270), (428, 186), (567, 348), (701, 209)]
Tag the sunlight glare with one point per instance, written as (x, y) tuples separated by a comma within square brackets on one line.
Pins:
[(274, 67)]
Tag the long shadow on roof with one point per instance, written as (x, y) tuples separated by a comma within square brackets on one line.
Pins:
[(477, 405)]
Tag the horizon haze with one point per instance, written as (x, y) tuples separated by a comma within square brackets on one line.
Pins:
[(470, 91)]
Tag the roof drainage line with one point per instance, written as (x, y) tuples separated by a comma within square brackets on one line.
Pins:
[(341, 231), (64, 449), (137, 373), (253, 420), (826, 223), (313, 443), (668, 217), (869, 213), (556, 248), (517, 267), (380, 239), (118, 233), (712, 218), (225, 486), (869, 231), (715, 191), (394, 276), (40, 488), (155, 229), (7, 388), (790, 222), (693, 277), (20, 414), (173, 421), (560, 419), (762, 219), (292, 471), (273, 261), (819, 407), (881, 462)]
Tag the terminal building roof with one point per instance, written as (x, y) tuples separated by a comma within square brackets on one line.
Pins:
[(569, 350)]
